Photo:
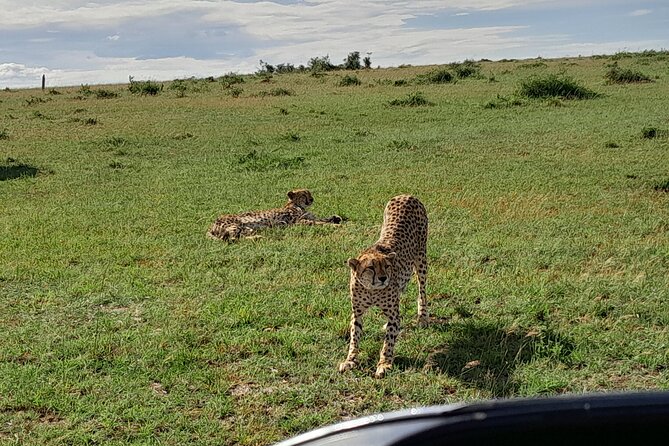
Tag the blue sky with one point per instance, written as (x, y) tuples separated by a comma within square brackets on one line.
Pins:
[(77, 42)]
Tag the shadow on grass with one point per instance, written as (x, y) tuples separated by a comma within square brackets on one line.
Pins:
[(14, 171), (485, 355)]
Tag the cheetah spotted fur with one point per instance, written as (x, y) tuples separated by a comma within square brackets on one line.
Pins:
[(230, 227), (379, 275)]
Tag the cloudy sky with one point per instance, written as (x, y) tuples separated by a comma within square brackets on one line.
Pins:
[(77, 42)]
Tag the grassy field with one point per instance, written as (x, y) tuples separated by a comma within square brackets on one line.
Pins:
[(121, 323)]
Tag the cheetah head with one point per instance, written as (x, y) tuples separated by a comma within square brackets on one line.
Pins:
[(301, 198), (373, 269)]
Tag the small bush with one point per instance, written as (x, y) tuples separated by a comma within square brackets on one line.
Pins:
[(54, 92), (650, 132), (318, 64), (231, 79), (617, 75), (542, 87), (144, 87), (235, 92), (105, 94), (401, 83), (349, 80), (116, 165), (465, 69), (612, 145), (441, 76), (4, 134), (412, 100), (85, 90)]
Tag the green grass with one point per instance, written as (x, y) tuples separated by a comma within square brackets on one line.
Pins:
[(121, 323)]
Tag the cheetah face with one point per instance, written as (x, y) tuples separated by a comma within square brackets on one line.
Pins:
[(372, 270), (301, 198)]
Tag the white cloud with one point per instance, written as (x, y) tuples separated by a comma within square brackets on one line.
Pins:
[(20, 75), (640, 12), (115, 37)]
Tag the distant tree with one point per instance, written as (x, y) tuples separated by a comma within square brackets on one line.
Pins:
[(285, 68), (367, 60), (266, 68), (352, 61)]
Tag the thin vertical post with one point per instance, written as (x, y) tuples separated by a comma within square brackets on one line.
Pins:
[(43, 81)]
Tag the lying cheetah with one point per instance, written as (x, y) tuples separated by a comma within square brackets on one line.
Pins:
[(381, 272), (230, 227)]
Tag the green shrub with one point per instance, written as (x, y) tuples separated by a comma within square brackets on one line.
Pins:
[(144, 87), (318, 64), (349, 80), (542, 87), (649, 132), (4, 134), (441, 76), (105, 94), (617, 75), (465, 69), (415, 99), (85, 90), (235, 92), (231, 79)]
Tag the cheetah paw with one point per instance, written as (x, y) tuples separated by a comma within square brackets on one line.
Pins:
[(347, 365), (382, 369)]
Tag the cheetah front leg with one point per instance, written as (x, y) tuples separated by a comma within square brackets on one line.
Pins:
[(392, 331), (351, 361)]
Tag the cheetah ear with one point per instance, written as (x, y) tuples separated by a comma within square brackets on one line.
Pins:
[(291, 194), (391, 256), (353, 263)]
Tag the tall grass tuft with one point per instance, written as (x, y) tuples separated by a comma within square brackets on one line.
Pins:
[(415, 99), (617, 75), (662, 186), (542, 87)]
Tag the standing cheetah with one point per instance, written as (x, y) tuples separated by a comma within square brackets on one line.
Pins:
[(232, 226), (381, 272)]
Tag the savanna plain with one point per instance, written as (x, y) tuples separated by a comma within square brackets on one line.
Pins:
[(121, 323)]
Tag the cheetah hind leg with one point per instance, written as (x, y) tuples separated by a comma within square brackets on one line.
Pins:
[(421, 273)]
